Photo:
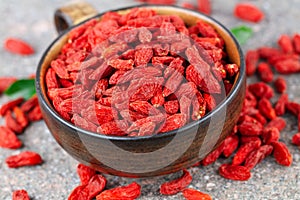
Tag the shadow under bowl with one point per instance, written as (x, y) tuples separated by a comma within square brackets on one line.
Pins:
[(150, 155)]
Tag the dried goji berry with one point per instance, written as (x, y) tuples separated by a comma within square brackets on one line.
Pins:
[(171, 107), (177, 185), (185, 107), (204, 6), (267, 52), (270, 134), (158, 99), (296, 139), (143, 56), (296, 43), (79, 193), (173, 122), (121, 64), (265, 72), (25, 158), (10, 105), (131, 191), (250, 128), (172, 83), (85, 173), (293, 108), (246, 139), (12, 124), (18, 46), (282, 154), (251, 60), (285, 43), (248, 12), (214, 155), (277, 122), (243, 151), (95, 185), (280, 105), (210, 101), (29, 104), (257, 156), (9, 139), (230, 145), (288, 66), (192, 194), (266, 109), (234, 172), (20, 195), (143, 107), (260, 90), (280, 85), (116, 127), (35, 114)]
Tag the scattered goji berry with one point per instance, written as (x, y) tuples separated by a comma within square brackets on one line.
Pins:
[(280, 105), (265, 72), (270, 134), (285, 43), (131, 191), (257, 156), (85, 173), (282, 154), (293, 108), (266, 109), (20, 195), (296, 43), (280, 85), (204, 6), (214, 155), (234, 172), (177, 185), (248, 12), (296, 139), (9, 139), (25, 158), (192, 194), (251, 60), (12, 124), (244, 151), (230, 145), (277, 122), (10, 105), (5, 82), (18, 46)]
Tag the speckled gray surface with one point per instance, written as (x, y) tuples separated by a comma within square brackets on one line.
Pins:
[(32, 20)]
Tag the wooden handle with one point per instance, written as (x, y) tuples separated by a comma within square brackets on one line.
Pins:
[(72, 14)]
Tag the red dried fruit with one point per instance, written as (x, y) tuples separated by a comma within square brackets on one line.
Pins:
[(267, 52), (143, 56), (51, 79), (79, 193), (214, 155), (265, 72), (171, 107), (280, 85), (296, 43), (234, 172), (131, 191), (257, 156), (204, 6), (25, 158), (185, 107), (270, 134), (145, 35), (29, 104), (12, 124), (35, 114), (277, 122), (250, 129), (10, 105), (121, 64), (280, 105), (5, 82), (285, 43), (210, 102), (96, 185), (260, 90), (172, 83), (177, 185), (158, 99), (230, 145), (244, 151), (248, 12), (18, 46), (192, 194), (282, 154), (85, 173), (9, 139), (116, 127), (251, 60), (188, 5), (143, 107), (296, 139), (20, 195), (247, 139), (288, 66), (293, 108), (266, 109), (173, 122)]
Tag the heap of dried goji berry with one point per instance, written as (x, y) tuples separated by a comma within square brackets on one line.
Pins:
[(257, 133), (142, 74), (18, 115)]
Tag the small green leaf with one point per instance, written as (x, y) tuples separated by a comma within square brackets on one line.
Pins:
[(21, 88), (242, 33)]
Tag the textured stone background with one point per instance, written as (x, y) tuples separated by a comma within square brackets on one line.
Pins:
[(32, 20)]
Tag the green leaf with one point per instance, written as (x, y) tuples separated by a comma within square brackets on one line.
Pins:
[(242, 33), (21, 88)]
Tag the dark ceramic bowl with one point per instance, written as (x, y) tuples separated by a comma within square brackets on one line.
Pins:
[(152, 155)]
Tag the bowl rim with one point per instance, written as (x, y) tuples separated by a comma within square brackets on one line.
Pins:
[(239, 81)]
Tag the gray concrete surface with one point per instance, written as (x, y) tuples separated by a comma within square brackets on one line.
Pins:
[(32, 20)]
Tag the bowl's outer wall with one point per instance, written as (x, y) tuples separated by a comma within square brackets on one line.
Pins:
[(135, 154)]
